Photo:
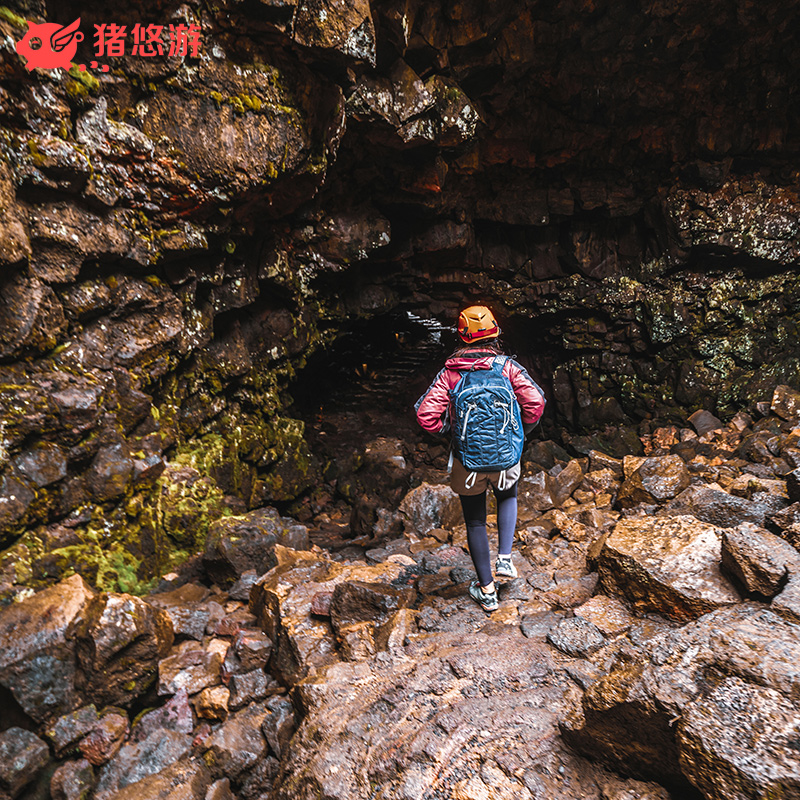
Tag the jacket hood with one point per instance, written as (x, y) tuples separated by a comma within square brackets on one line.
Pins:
[(465, 362)]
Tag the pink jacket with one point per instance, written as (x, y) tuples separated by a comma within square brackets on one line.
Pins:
[(433, 408)]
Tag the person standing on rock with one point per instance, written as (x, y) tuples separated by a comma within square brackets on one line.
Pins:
[(488, 402)]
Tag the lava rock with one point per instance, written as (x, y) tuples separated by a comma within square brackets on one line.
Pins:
[(247, 687), (73, 780), (279, 724), (70, 728), (669, 565), (577, 637), (249, 650), (174, 715), (105, 739), (652, 480), (713, 505), (188, 615), (238, 744), (236, 545), (608, 614), (786, 403), (758, 559), (430, 506), (740, 741), (37, 661), (191, 667), (22, 756), (566, 482), (704, 422), (212, 703), (358, 601), (119, 643)]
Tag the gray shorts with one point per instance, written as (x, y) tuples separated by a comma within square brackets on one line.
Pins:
[(463, 482)]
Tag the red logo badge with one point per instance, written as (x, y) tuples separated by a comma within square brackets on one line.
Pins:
[(48, 45)]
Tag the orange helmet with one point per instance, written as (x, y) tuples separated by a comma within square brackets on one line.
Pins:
[(476, 323)]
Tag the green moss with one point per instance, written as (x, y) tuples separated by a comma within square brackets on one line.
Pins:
[(9, 16)]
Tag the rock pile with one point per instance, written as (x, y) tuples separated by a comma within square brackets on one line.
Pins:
[(653, 633)]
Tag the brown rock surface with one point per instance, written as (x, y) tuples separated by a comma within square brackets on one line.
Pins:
[(37, 662), (669, 565)]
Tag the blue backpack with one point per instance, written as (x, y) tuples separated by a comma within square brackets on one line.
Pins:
[(487, 424)]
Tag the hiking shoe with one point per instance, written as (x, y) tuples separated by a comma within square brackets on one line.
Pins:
[(504, 567), (486, 600)]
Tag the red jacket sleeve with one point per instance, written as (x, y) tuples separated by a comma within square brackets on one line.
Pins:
[(529, 396), (433, 407)]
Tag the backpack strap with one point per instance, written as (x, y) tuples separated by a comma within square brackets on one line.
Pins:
[(498, 363)]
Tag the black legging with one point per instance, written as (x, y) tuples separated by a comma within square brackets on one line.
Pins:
[(474, 508)]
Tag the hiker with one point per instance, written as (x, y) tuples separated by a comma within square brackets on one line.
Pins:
[(489, 403)]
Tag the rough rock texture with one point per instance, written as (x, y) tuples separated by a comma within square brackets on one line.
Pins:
[(668, 564)]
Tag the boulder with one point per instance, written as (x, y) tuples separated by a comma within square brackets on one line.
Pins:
[(704, 422), (608, 614), (22, 757), (184, 607), (189, 667), (71, 728), (119, 643), (282, 601), (186, 779), (430, 506), (535, 495), (577, 637), (359, 601), (174, 715), (73, 780), (628, 716), (249, 650), (758, 559), (247, 687), (786, 403), (212, 703), (740, 741), (652, 480), (37, 660), (566, 482), (717, 507), (137, 760), (238, 744), (105, 739), (237, 544), (669, 565), (279, 724)]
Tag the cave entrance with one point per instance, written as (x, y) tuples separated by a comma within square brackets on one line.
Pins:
[(365, 383)]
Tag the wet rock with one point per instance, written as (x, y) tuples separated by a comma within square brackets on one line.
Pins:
[(566, 482), (105, 739), (358, 601), (282, 599), (787, 603), (758, 559), (186, 779), (628, 717), (174, 715), (110, 473), (212, 703), (652, 480), (740, 740), (22, 756), (42, 465), (241, 589), (70, 728), (236, 545), (247, 687), (31, 317), (599, 460), (138, 760), (188, 615), (711, 504), (220, 790), (16, 496), (608, 614), (190, 667), (249, 650), (430, 506), (786, 403), (577, 637), (666, 564), (787, 523), (38, 660), (73, 780), (704, 422), (119, 643), (238, 744), (279, 724)]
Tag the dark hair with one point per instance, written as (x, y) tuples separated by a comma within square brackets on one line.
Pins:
[(489, 346)]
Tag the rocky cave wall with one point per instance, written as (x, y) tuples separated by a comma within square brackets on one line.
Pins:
[(178, 235)]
